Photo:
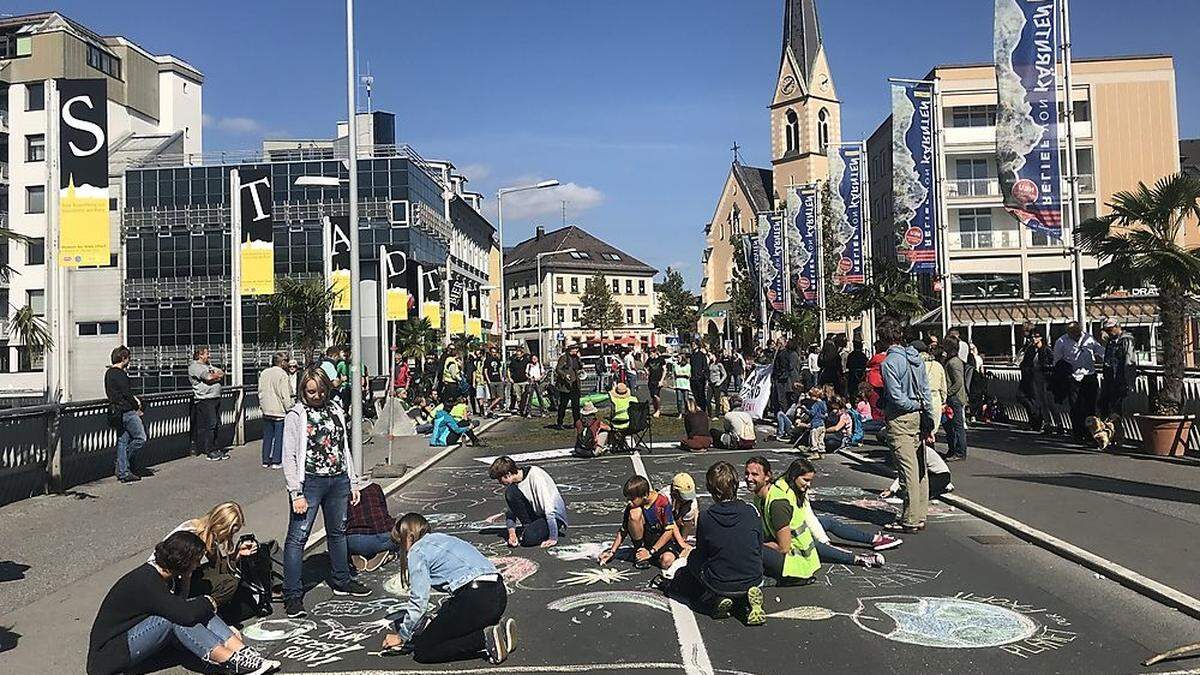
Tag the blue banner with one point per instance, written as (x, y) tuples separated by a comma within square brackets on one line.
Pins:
[(1027, 155), (802, 245), (770, 255), (846, 206), (750, 260), (915, 205)]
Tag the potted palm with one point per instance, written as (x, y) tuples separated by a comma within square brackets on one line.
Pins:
[(1142, 238)]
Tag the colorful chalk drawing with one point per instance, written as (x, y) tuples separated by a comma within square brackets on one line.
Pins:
[(443, 521), (892, 576), (514, 570), (314, 649), (356, 608), (599, 575), (580, 550), (269, 630), (600, 599), (597, 508)]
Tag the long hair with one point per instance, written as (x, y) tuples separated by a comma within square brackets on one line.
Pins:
[(409, 526), (324, 386), (799, 467), (217, 529)]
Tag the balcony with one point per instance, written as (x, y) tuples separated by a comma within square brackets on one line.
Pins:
[(982, 188), (984, 240)]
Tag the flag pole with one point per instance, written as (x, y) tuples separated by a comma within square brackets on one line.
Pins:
[(1078, 294)]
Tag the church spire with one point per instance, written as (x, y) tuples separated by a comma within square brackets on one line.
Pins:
[(802, 34)]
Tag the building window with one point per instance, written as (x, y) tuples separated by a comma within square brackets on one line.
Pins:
[(35, 251), (29, 361), (629, 287), (103, 61), (616, 285), (735, 221), (641, 286), (90, 328), (581, 255), (559, 315), (35, 199), (986, 286), (558, 284), (973, 116), (823, 131), (574, 284), (642, 316), (1050, 284), (575, 314), (611, 256), (35, 96), (628, 316), (791, 133), (35, 148), (36, 300), (975, 228)]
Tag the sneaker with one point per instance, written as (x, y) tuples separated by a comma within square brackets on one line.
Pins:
[(510, 635), (894, 500), (129, 478), (949, 488), (497, 649), (358, 562), (352, 588), (294, 608), (722, 609), (276, 466), (376, 561), (756, 616), (870, 560), (883, 542), (213, 458), (244, 662), (141, 472), (266, 466), (224, 456), (788, 582)]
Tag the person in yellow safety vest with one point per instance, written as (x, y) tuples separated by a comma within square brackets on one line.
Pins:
[(789, 547), (621, 397), (451, 376)]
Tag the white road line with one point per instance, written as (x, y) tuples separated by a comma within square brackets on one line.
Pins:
[(691, 644), (566, 668)]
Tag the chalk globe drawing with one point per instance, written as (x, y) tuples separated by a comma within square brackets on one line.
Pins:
[(948, 623), (271, 630)]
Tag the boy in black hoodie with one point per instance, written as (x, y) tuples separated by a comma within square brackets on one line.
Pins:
[(726, 564)]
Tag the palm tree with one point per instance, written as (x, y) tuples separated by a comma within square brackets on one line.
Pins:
[(7, 235), (32, 331), (415, 338), (1142, 238), (296, 316), (890, 292)]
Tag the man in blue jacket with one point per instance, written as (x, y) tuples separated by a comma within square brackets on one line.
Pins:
[(907, 408)]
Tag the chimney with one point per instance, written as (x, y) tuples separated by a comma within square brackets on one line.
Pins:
[(540, 232)]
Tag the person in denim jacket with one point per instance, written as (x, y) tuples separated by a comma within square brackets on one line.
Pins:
[(468, 623)]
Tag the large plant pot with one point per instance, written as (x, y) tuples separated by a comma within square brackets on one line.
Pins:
[(1165, 435)]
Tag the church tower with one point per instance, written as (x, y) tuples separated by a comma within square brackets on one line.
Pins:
[(806, 121)]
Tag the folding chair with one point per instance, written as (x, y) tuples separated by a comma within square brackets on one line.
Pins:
[(639, 430)]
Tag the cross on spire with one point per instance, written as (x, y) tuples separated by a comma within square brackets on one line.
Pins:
[(737, 157)]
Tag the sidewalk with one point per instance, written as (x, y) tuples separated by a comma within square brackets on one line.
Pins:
[(75, 546), (1137, 511)]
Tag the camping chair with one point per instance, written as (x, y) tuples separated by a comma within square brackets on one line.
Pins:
[(638, 435)]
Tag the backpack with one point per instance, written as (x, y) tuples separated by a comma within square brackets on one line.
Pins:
[(856, 428), (586, 442)]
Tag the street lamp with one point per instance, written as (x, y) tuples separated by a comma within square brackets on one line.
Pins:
[(500, 218), (543, 319)]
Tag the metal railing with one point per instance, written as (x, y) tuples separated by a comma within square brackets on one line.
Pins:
[(1004, 384), (990, 186), (52, 448)]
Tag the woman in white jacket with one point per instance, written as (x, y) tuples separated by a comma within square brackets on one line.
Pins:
[(320, 473)]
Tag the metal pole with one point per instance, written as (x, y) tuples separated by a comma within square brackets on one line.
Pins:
[(56, 296), (356, 413), (384, 344), (868, 320), (943, 227), (1078, 292), (235, 291), (503, 318), (541, 308), (817, 218)]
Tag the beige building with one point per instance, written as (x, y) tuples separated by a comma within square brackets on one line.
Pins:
[(544, 312), (805, 125), (1126, 126)]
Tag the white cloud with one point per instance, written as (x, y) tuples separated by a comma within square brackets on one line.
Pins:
[(234, 125), (476, 172), (534, 203)]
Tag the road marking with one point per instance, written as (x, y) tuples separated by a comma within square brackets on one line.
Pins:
[(691, 644), (567, 668)]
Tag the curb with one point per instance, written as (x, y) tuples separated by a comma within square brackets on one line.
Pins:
[(318, 536), (1122, 449), (1159, 592)]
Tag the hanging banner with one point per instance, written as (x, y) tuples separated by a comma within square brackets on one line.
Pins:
[(802, 244), (258, 236), (756, 392), (456, 322), (846, 214), (395, 267), (474, 327), (431, 311), (912, 177), (340, 240), (474, 303), (1027, 154), (770, 252), (84, 237)]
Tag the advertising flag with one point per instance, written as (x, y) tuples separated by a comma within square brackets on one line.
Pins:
[(456, 322), (1027, 113), (474, 327), (340, 241), (257, 236), (395, 266), (914, 203), (846, 206), (431, 311), (84, 237), (802, 244), (770, 252)]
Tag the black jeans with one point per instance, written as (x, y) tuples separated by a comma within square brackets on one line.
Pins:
[(204, 425), (699, 394), (1112, 399), (456, 631), (1083, 403), (565, 398), (534, 528)]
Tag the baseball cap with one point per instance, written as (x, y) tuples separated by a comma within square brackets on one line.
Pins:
[(685, 485), (1111, 323)]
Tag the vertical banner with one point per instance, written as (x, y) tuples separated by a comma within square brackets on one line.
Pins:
[(83, 173), (770, 242), (475, 327), (395, 267), (456, 322), (257, 237), (802, 244), (431, 311), (340, 227), (912, 177), (756, 392), (1027, 154), (846, 173), (474, 303)]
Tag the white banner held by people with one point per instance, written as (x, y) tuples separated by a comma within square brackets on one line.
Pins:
[(756, 391)]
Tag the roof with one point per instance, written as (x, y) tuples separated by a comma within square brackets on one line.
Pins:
[(600, 254), (135, 149), (802, 33), (757, 184)]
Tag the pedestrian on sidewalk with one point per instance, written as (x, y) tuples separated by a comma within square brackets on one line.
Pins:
[(699, 365), (909, 422), (450, 382), (683, 385), (829, 365), (566, 381), (939, 479), (956, 400), (518, 377), (1075, 356), (535, 373), (145, 612), (494, 375), (1035, 363), (717, 378), (935, 373), (856, 367), (532, 502), (125, 416), (1120, 369), (632, 363), (369, 530), (320, 473), (206, 401), (468, 623), (275, 398), (785, 370)]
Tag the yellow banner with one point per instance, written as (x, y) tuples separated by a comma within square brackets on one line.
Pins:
[(258, 268), (83, 226), (341, 286), (432, 312), (475, 327), (456, 322), (397, 304)]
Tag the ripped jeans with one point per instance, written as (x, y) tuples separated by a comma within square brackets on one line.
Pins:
[(153, 634), (332, 495)]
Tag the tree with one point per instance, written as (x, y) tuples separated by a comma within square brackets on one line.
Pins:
[(1142, 239), (32, 331), (7, 235), (416, 337), (601, 311), (677, 307), (747, 312), (296, 316), (890, 292), (802, 325)]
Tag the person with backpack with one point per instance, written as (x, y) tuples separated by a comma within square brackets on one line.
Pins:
[(909, 422), (591, 432)]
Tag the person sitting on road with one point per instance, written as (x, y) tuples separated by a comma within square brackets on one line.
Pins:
[(697, 434), (649, 525), (532, 502), (839, 424), (368, 530), (795, 411), (685, 508), (939, 478), (591, 432), (739, 431), (468, 623), (147, 610), (789, 552), (726, 566), (422, 415), (447, 430)]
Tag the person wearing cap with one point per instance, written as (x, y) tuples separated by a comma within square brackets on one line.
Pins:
[(621, 397), (591, 432), (1120, 368), (532, 502), (684, 506)]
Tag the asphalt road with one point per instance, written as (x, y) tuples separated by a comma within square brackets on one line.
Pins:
[(962, 597)]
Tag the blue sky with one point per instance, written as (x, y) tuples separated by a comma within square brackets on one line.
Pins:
[(632, 104)]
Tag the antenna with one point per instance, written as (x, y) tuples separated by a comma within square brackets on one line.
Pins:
[(368, 81)]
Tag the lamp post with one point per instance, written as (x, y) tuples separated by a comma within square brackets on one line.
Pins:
[(500, 226), (544, 318)]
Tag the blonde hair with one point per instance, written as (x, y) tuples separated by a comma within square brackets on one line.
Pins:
[(217, 529), (409, 526), (324, 386)]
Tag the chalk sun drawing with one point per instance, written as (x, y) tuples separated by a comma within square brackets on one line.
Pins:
[(948, 623), (600, 575), (355, 608), (270, 630), (601, 598), (894, 576)]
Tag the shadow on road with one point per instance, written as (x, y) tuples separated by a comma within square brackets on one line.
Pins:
[(1094, 483), (12, 571)]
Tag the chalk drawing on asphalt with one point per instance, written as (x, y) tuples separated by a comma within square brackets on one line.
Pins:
[(599, 575), (443, 521), (947, 623), (602, 599), (597, 508), (580, 550), (356, 609), (514, 570), (893, 576), (270, 630)]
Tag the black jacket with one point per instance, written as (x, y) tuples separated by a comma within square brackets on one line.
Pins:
[(699, 363), (729, 547), (119, 391)]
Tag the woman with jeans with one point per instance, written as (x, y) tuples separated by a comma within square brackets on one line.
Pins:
[(320, 472), (147, 611), (683, 384), (275, 397), (467, 624)]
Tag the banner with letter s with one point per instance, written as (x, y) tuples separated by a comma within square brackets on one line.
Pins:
[(756, 391), (257, 237), (84, 238), (913, 191)]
